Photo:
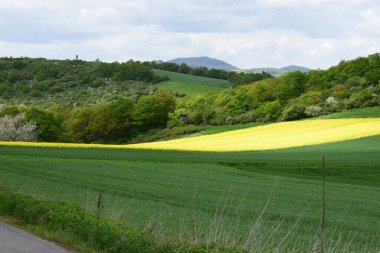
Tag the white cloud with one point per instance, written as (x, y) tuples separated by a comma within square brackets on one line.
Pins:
[(247, 33)]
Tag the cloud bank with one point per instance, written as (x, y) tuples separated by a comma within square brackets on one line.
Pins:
[(255, 33)]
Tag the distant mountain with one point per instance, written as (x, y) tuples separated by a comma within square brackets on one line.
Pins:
[(295, 68), (218, 64), (204, 62), (278, 72), (273, 71)]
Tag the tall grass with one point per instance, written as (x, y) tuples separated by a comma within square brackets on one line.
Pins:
[(108, 235)]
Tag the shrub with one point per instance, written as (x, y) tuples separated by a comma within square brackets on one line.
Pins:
[(293, 112), (270, 111), (313, 111), (361, 99), (331, 101)]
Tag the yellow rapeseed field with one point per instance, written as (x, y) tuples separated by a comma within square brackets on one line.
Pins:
[(268, 137)]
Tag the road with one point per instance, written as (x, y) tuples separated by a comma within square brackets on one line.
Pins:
[(15, 240)]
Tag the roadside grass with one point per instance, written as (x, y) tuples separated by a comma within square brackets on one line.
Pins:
[(190, 84), (210, 197), (82, 230), (66, 240)]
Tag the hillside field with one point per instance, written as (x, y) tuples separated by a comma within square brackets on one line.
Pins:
[(190, 84), (274, 136), (256, 138), (258, 200), (169, 189)]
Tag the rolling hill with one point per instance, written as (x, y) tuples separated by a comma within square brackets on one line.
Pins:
[(190, 84), (295, 68), (278, 71)]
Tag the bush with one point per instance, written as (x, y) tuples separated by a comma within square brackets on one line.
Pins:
[(293, 112), (270, 111), (361, 99), (313, 111)]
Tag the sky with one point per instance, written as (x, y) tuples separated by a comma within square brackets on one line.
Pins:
[(245, 33)]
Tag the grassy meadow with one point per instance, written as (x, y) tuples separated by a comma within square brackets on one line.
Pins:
[(190, 84), (257, 200)]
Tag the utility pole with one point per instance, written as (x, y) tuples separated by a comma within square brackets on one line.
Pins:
[(323, 203)]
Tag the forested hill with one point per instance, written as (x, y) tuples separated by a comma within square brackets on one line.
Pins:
[(74, 82), (42, 81)]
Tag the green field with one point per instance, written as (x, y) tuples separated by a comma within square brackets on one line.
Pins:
[(190, 84), (371, 112), (273, 196)]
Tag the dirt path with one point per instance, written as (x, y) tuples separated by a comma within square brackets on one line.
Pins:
[(15, 240)]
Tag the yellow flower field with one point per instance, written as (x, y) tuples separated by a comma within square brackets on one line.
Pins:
[(268, 137)]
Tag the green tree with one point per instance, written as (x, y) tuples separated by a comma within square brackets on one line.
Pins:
[(183, 68), (121, 114), (340, 91), (151, 112), (49, 125), (293, 112), (310, 98), (291, 85), (169, 99), (77, 124), (270, 111)]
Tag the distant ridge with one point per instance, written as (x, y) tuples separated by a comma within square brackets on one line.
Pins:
[(204, 61), (208, 62), (278, 71), (295, 68)]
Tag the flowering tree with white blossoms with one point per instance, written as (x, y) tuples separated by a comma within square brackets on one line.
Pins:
[(12, 129)]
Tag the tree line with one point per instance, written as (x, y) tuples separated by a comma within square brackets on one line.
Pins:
[(348, 85), (114, 122)]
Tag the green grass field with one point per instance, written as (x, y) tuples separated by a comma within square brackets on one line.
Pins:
[(223, 198), (371, 112), (190, 84)]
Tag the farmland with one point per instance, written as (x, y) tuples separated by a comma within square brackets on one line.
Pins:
[(216, 196), (190, 84), (274, 136), (255, 138)]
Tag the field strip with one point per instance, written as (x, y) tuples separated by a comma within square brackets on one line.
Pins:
[(268, 137)]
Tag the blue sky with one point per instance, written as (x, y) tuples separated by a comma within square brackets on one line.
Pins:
[(255, 33)]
